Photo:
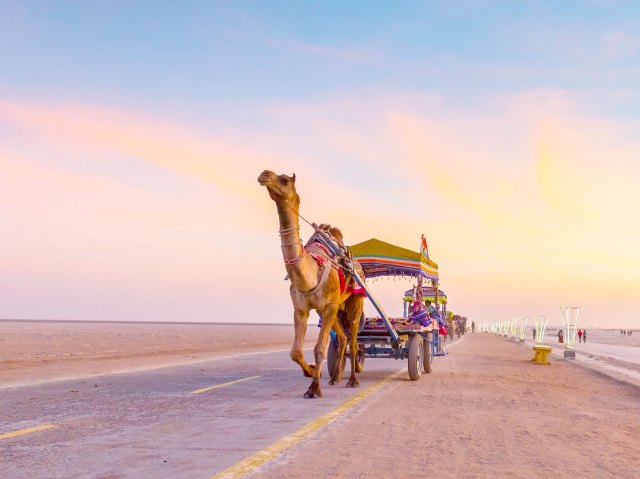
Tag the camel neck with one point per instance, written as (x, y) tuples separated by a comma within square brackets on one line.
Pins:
[(301, 275), (289, 233), (288, 217)]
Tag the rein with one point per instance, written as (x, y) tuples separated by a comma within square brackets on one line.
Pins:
[(287, 231)]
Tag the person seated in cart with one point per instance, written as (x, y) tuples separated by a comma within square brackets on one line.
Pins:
[(430, 307), (419, 313), (433, 312)]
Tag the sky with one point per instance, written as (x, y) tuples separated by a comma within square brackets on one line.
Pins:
[(132, 135)]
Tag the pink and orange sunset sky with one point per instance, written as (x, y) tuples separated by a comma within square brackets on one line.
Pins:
[(132, 135)]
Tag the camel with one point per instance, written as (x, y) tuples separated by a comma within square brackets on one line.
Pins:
[(313, 287)]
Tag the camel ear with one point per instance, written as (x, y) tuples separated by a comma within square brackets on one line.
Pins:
[(293, 178)]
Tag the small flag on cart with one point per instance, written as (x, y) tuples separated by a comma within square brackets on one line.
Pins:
[(424, 250)]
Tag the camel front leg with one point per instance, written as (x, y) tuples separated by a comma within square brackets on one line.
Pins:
[(300, 319), (329, 317)]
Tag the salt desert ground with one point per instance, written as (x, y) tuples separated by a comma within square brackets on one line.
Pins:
[(139, 400)]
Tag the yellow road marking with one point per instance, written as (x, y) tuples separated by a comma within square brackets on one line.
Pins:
[(259, 458), (7, 435), (216, 386)]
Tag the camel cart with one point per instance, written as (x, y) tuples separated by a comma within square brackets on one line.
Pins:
[(384, 336), (438, 298)]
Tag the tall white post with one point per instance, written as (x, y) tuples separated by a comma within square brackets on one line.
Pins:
[(570, 317), (523, 328), (541, 325)]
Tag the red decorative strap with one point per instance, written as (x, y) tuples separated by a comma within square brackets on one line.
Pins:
[(357, 291), (295, 260)]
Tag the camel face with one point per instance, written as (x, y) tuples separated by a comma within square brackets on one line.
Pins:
[(280, 187)]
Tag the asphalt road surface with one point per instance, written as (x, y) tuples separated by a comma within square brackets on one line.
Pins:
[(189, 421)]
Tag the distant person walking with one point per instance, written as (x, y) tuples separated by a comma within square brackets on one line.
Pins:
[(473, 327), (584, 335), (560, 336), (579, 335), (443, 333), (533, 330)]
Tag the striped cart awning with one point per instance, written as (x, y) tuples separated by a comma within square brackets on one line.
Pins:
[(428, 293), (378, 258)]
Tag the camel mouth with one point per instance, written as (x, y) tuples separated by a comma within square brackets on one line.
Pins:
[(266, 177)]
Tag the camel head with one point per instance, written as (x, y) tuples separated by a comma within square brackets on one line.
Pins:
[(281, 188)]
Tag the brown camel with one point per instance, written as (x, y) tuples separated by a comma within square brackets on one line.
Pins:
[(312, 287)]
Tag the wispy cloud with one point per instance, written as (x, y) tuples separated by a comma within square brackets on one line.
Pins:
[(130, 134)]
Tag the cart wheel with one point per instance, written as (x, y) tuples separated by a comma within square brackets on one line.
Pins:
[(360, 360), (427, 354), (415, 357), (332, 356)]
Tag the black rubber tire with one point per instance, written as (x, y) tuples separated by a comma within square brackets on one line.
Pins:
[(415, 357), (332, 356), (427, 357), (359, 360)]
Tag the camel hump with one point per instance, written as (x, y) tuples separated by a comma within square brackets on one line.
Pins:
[(334, 232)]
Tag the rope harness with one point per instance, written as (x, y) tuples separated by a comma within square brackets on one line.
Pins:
[(325, 250), (284, 232)]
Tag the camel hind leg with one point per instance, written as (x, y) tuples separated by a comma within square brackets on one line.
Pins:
[(354, 307), (338, 369)]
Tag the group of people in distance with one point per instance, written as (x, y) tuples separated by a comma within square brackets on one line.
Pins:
[(582, 336), (626, 332)]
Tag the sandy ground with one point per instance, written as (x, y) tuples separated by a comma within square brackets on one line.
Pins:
[(38, 351), (485, 412)]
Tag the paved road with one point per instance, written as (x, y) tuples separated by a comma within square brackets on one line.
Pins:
[(151, 424)]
